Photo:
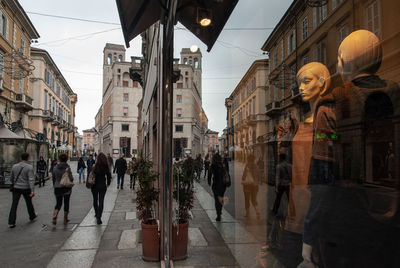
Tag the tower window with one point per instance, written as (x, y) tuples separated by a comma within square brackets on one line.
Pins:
[(109, 57), (120, 58)]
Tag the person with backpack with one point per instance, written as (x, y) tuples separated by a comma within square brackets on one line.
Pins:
[(250, 184), (206, 165), (89, 164), (23, 183), (132, 171), (216, 175), (41, 169), (61, 192), (283, 181), (102, 174)]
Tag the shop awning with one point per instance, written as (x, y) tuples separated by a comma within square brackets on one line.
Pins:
[(138, 15), (7, 134)]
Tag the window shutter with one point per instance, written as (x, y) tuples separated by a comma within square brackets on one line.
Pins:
[(1, 22), (334, 4), (324, 11), (288, 45), (294, 40)]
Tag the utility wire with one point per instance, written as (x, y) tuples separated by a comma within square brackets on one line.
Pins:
[(79, 37), (72, 18)]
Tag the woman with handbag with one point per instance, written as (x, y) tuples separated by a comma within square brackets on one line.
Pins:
[(216, 174), (62, 187), (102, 180)]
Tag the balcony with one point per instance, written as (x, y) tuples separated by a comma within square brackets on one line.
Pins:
[(23, 103), (56, 120), (63, 124), (70, 128), (251, 119), (273, 108), (47, 116)]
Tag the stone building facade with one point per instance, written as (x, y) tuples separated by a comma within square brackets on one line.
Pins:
[(116, 120)]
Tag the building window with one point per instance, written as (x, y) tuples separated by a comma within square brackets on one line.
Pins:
[(291, 42), (125, 111), (178, 128), (373, 18), (342, 33), (126, 96), (178, 112), (336, 3), (22, 46), (125, 127), (21, 82), (304, 60), (120, 58), (3, 25), (292, 76), (178, 98), (319, 15), (254, 105), (305, 28), (179, 85), (109, 58), (125, 83), (282, 51), (320, 53), (45, 100), (275, 59), (58, 90), (185, 61), (135, 84), (1, 66), (196, 63)]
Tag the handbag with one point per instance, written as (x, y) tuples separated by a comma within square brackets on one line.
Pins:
[(226, 179), (91, 180), (65, 181), (12, 185)]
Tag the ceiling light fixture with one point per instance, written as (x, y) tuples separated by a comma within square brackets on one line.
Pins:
[(204, 17)]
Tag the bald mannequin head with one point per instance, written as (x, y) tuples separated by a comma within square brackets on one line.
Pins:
[(359, 54)]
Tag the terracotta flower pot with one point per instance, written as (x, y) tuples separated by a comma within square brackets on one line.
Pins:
[(150, 242), (180, 241)]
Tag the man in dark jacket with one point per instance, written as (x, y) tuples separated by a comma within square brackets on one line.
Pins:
[(120, 167), (41, 169), (89, 163)]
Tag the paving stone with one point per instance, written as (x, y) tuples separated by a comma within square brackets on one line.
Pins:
[(85, 238), (130, 216), (73, 258), (129, 239), (196, 238)]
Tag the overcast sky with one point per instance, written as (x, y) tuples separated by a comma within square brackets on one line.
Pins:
[(77, 48)]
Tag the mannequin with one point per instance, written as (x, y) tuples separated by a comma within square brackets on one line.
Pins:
[(314, 82), (364, 107)]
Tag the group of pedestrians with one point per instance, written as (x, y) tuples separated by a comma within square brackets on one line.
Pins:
[(23, 182)]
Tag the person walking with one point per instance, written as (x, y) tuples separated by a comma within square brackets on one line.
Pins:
[(110, 162), (41, 169), (89, 164), (132, 170), (206, 165), (81, 169), (61, 193), (283, 181), (215, 175), (23, 181), (198, 166), (103, 179), (250, 186), (120, 167), (52, 165)]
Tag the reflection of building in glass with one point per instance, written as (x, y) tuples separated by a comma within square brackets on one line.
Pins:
[(306, 34), (246, 106)]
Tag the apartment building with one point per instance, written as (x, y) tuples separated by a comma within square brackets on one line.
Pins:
[(247, 110), (16, 34), (53, 113)]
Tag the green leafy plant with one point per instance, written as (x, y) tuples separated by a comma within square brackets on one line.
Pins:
[(147, 193), (183, 193)]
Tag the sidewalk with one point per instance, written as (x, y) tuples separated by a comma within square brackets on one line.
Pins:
[(117, 242)]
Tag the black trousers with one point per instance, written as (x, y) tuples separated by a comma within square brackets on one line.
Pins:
[(133, 177), (16, 194), (62, 194), (98, 201), (281, 190), (218, 195)]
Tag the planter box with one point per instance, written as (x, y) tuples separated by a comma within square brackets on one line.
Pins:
[(150, 242), (180, 241)]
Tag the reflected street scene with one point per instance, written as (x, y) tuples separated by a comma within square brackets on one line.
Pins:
[(200, 133)]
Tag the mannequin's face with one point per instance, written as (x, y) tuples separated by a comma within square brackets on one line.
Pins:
[(310, 86)]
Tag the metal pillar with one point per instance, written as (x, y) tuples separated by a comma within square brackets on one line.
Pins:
[(166, 110)]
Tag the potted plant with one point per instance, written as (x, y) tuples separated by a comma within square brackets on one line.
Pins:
[(146, 196), (183, 193)]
